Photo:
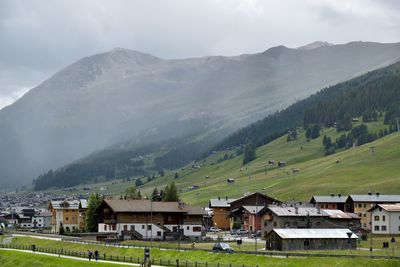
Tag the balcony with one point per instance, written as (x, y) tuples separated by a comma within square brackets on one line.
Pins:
[(110, 221)]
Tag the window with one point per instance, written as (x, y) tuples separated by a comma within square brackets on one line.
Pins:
[(132, 228), (376, 228), (196, 229), (105, 227), (187, 228), (66, 218), (383, 218), (383, 228), (364, 214), (365, 205), (125, 227), (306, 243), (114, 227), (149, 227), (143, 226), (364, 225), (376, 218), (275, 224), (158, 233)]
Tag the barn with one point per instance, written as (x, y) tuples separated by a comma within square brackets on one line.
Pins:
[(311, 239)]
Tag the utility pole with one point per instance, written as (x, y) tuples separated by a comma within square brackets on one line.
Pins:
[(151, 222), (255, 225), (398, 126)]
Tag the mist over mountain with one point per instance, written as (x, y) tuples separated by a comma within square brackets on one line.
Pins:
[(125, 95)]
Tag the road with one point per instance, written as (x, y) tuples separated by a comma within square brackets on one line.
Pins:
[(77, 258)]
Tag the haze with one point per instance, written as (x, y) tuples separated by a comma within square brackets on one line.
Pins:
[(38, 38)]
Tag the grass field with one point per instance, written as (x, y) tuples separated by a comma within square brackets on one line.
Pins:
[(211, 258), (359, 171), (16, 259)]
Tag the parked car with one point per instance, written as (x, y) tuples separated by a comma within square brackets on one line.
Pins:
[(256, 234), (214, 230), (222, 247), (234, 231), (242, 232)]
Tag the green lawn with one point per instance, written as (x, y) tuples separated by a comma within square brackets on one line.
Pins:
[(211, 258), (16, 259)]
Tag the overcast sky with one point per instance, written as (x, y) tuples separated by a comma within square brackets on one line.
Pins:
[(38, 38)]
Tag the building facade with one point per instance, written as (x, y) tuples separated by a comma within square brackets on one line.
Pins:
[(311, 239), (292, 217), (68, 213), (385, 219), (334, 202), (145, 219), (220, 212), (361, 204)]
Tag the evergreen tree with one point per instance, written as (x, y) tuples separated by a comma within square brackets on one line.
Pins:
[(176, 175), (171, 192), (132, 193), (249, 153), (138, 182), (61, 230), (155, 196), (92, 219)]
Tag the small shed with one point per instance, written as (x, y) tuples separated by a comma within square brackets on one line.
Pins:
[(311, 239), (230, 181), (282, 163)]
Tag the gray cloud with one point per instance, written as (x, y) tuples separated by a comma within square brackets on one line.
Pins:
[(39, 37)]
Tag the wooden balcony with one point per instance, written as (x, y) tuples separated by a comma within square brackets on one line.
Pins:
[(110, 221)]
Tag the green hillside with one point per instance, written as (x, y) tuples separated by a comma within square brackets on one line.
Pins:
[(359, 170)]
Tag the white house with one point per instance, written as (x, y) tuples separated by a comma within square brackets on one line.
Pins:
[(385, 219), (42, 220)]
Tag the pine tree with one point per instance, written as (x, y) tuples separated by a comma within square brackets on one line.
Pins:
[(61, 230), (92, 219), (171, 192), (155, 196), (249, 153), (132, 193)]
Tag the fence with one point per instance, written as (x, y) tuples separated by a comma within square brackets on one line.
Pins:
[(282, 254), (119, 258)]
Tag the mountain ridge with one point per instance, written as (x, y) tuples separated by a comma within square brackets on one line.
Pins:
[(103, 100)]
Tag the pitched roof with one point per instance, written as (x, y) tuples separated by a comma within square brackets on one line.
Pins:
[(133, 205), (254, 209), (387, 207), (329, 199), (314, 233), (195, 210), (220, 203), (338, 214), (256, 193), (301, 211), (376, 198), (65, 204)]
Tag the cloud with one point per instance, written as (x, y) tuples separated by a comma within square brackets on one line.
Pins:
[(37, 38)]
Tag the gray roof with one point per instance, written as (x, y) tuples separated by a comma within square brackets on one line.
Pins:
[(253, 209), (301, 211), (221, 203), (330, 199), (144, 205), (314, 233), (374, 198)]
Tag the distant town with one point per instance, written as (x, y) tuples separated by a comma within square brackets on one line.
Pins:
[(326, 222)]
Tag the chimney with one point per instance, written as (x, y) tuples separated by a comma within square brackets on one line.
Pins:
[(296, 210), (369, 193), (332, 195), (226, 198), (219, 198), (318, 210), (339, 195), (377, 194), (181, 205)]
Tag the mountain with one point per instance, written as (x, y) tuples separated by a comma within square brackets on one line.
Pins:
[(124, 95), (314, 45), (375, 91)]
